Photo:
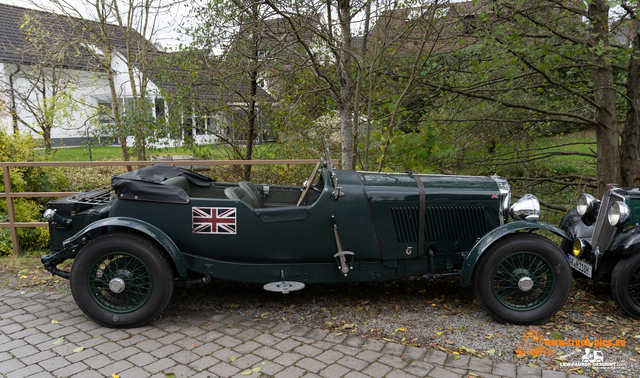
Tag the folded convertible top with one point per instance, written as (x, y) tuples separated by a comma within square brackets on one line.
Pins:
[(145, 184)]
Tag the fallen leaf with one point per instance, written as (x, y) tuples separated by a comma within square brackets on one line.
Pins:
[(233, 358), (169, 375), (54, 322), (126, 337), (79, 349), (468, 350), (234, 305), (115, 376), (59, 341), (193, 344), (456, 357), (208, 323), (491, 351), (257, 370), (246, 372)]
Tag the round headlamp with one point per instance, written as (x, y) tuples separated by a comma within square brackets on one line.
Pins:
[(586, 204), (619, 213), (527, 208), (580, 247)]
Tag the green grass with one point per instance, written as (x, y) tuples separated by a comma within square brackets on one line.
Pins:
[(114, 153), (106, 153)]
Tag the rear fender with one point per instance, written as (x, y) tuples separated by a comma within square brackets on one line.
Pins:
[(140, 226), (493, 236)]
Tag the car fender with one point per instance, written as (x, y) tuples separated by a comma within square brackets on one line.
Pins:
[(495, 235), (575, 227), (627, 243), (140, 226)]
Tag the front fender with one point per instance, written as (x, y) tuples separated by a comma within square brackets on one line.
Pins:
[(493, 236), (140, 226), (575, 227), (627, 243)]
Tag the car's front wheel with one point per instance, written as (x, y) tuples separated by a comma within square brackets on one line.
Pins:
[(522, 279), (121, 280), (625, 284)]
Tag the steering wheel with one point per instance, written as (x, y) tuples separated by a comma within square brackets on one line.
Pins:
[(309, 184)]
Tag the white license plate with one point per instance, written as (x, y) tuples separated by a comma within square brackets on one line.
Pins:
[(580, 266)]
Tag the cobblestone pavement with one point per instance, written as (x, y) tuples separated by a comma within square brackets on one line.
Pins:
[(32, 325)]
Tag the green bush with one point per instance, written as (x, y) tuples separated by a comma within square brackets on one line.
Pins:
[(23, 147)]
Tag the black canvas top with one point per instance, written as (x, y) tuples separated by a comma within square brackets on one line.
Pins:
[(145, 184)]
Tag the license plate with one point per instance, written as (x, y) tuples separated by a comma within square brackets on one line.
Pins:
[(580, 266)]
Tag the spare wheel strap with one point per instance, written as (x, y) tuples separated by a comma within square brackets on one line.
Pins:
[(421, 212)]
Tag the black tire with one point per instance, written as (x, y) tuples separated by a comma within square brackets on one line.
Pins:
[(625, 284), (132, 264), (501, 268)]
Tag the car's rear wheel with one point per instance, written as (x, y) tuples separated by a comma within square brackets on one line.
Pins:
[(522, 279), (625, 284), (121, 280)]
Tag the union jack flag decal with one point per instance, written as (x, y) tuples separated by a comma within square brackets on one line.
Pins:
[(214, 220)]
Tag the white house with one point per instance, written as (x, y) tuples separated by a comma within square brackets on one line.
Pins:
[(47, 81)]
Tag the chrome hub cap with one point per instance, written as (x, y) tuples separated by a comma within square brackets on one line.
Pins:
[(525, 284), (116, 285)]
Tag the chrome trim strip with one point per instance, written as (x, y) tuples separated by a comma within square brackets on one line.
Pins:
[(603, 232)]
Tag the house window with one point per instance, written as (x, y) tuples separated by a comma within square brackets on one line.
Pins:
[(262, 54), (159, 105), (201, 126), (105, 113), (469, 24)]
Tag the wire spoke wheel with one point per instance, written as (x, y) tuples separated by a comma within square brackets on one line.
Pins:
[(129, 275), (508, 276), (122, 280), (523, 278)]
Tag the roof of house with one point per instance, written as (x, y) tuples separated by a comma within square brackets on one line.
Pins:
[(16, 46), (31, 43), (199, 75)]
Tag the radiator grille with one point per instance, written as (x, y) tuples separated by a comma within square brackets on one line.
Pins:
[(441, 223)]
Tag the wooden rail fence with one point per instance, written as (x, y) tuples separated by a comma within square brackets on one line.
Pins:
[(9, 195)]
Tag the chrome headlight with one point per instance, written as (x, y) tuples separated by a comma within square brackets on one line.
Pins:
[(586, 204), (619, 213), (527, 208)]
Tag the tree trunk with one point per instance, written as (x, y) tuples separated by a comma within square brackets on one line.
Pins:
[(605, 98), (115, 107), (251, 124), (346, 90), (46, 136), (629, 154)]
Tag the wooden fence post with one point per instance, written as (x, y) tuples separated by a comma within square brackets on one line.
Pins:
[(10, 211)]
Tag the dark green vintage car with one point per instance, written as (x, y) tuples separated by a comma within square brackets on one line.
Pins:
[(604, 243), (160, 222)]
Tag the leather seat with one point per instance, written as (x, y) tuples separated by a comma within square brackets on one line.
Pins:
[(237, 193), (253, 193)]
